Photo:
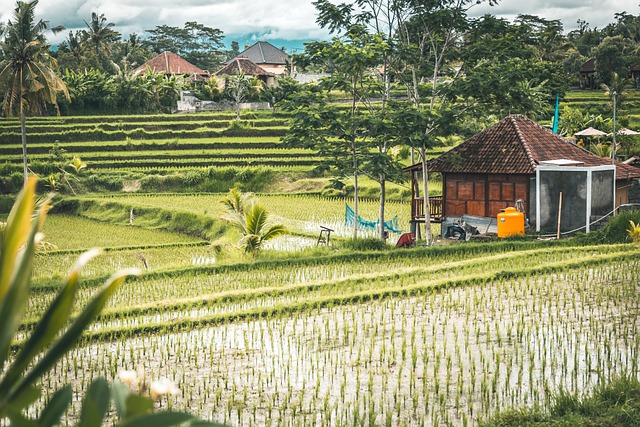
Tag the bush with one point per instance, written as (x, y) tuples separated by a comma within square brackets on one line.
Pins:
[(612, 404), (12, 183), (615, 230), (366, 244), (5, 204)]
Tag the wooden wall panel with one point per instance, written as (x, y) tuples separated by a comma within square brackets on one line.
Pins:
[(465, 190), (521, 192), (508, 191), (455, 207), (452, 189), (494, 191), (483, 195), (495, 207), (475, 208), (479, 190)]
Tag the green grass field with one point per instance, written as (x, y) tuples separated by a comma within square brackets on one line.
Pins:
[(307, 334), (71, 232), (447, 336)]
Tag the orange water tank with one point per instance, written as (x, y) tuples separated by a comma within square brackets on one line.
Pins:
[(510, 222)]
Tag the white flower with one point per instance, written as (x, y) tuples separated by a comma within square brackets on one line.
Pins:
[(128, 378), (161, 388)]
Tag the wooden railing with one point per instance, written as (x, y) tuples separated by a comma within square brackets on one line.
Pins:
[(435, 208)]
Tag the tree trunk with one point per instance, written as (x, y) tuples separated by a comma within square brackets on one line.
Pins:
[(23, 131), (383, 194), (425, 190), (355, 198), (354, 153)]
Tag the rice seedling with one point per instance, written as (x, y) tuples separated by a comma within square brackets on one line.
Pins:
[(444, 339)]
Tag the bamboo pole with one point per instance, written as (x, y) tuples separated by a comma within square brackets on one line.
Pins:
[(559, 215)]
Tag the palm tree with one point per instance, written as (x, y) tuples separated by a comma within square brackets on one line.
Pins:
[(618, 85), (99, 34), (27, 76), (254, 228), (250, 219), (236, 201), (73, 44)]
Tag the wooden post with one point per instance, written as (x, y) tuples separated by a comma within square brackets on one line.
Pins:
[(559, 214)]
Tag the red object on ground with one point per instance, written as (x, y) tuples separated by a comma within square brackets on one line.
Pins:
[(407, 240)]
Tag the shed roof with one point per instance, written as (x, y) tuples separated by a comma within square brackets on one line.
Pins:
[(589, 66), (517, 145), (263, 53), (170, 63), (245, 66)]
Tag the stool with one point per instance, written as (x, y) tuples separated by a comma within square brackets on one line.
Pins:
[(325, 235)]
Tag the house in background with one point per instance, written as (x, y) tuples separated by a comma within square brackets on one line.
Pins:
[(588, 74), (171, 64), (266, 56), (248, 69), (497, 167)]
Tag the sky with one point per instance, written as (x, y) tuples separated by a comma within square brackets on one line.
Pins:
[(282, 22)]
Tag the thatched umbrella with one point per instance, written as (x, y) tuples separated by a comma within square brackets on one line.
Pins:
[(590, 132), (625, 131)]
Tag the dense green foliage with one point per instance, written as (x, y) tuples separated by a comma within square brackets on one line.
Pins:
[(54, 334), (614, 403), (615, 229)]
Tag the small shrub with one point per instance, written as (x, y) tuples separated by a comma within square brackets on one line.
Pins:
[(634, 231), (616, 229), (366, 244)]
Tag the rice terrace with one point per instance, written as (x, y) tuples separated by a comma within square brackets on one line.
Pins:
[(382, 229)]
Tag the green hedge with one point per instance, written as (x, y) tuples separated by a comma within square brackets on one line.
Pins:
[(138, 133), (223, 115), (201, 226), (127, 146), (148, 126)]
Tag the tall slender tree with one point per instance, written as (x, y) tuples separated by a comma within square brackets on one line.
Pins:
[(100, 35), (27, 77)]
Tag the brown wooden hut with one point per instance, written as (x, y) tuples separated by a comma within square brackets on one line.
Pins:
[(493, 169), (588, 74)]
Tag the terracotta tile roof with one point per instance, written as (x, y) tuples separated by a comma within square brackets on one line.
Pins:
[(589, 66), (245, 66), (517, 145), (263, 53), (170, 63)]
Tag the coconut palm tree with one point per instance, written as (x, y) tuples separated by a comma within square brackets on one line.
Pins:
[(617, 85), (27, 77), (236, 201), (251, 220), (99, 34), (254, 228)]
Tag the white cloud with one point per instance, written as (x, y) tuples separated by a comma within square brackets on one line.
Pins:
[(282, 19), (597, 13)]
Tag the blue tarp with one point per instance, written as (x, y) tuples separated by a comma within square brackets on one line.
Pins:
[(391, 225)]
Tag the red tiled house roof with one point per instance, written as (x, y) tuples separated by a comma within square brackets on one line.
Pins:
[(517, 145), (244, 66), (170, 63)]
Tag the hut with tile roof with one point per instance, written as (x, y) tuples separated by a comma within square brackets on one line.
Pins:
[(588, 74), (169, 64), (497, 167), (266, 56), (248, 69)]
